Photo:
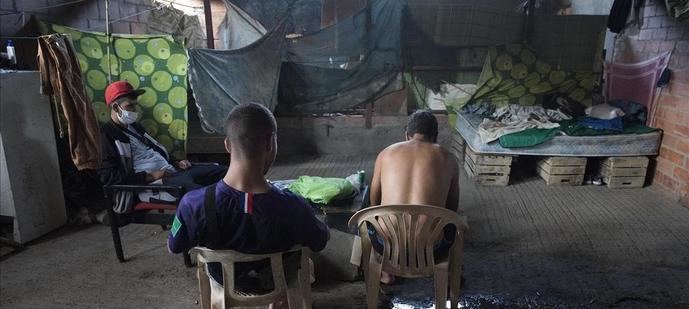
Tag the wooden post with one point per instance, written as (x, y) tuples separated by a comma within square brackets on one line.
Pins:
[(368, 115), (529, 25), (108, 37), (209, 24)]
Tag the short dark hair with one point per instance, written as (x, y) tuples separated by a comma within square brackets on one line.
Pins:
[(247, 124), (423, 122)]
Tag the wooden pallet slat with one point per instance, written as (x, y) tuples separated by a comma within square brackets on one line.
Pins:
[(561, 180), (561, 170), (607, 171), (481, 159), (615, 162), (625, 182), (565, 161), (495, 170), (487, 179)]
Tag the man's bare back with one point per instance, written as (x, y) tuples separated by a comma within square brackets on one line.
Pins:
[(415, 172)]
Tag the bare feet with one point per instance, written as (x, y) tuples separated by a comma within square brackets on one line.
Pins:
[(386, 278)]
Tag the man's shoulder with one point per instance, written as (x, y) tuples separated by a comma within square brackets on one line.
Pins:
[(112, 131), (194, 198)]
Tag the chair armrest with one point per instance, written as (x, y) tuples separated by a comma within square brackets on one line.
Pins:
[(204, 163), (176, 191)]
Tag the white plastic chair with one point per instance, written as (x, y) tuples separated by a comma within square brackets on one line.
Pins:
[(408, 247), (298, 292)]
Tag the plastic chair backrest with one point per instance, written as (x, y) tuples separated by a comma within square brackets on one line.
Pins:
[(413, 230), (231, 297)]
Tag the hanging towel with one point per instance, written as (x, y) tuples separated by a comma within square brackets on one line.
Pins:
[(61, 77)]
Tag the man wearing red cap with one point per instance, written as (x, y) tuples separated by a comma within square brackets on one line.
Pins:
[(132, 156)]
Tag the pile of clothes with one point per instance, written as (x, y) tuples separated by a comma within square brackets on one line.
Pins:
[(615, 117), (517, 126), (516, 118)]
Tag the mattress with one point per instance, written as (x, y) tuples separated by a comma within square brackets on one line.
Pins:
[(646, 144)]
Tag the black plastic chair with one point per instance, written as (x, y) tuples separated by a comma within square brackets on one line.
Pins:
[(158, 213)]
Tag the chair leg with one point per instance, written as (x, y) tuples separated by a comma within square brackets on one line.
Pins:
[(373, 271), (305, 281), (455, 273), (187, 259), (115, 230), (440, 277), (162, 226)]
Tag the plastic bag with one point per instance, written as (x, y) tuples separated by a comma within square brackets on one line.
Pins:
[(322, 190)]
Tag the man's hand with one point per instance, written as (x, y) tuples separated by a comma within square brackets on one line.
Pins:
[(155, 175), (183, 164)]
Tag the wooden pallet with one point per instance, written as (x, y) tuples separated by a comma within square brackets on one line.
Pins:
[(624, 172), (493, 179), (624, 182), (457, 145), (564, 171), (615, 162), (492, 171), (481, 159), (561, 180)]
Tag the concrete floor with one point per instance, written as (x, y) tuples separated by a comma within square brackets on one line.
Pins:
[(529, 245)]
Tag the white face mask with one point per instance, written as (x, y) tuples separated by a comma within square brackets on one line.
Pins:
[(127, 117)]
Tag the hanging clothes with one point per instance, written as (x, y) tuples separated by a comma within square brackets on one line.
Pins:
[(625, 13), (184, 28), (61, 76), (679, 9), (618, 15)]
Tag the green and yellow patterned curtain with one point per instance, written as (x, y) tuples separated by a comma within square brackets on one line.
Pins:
[(513, 75), (155, 63)]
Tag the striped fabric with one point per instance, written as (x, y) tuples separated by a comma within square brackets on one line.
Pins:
[(248, 202)]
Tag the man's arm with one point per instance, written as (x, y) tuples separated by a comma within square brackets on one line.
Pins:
[(453, 193), (310, 231), (182, 235), (375, 196)]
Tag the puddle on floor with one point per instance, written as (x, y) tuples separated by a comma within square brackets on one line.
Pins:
[(470, 301)]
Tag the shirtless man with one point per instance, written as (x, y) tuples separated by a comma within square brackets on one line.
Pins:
[(416, 171)]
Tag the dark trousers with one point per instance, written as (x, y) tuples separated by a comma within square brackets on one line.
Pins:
[(197, 176)]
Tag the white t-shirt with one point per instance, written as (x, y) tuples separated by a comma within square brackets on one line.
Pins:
[(145, 158)]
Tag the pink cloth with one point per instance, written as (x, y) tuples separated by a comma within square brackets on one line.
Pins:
[(635, 81)]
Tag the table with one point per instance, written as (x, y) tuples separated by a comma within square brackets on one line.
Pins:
[(333, 262)]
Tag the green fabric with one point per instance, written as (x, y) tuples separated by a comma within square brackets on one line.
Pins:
[(513, 75), (573, 128), (322, 190), (533, 137), (528, 138), (679, 9), (152, 62)]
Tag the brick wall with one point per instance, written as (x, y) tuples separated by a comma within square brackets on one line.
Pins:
[(661, 33), (87, 15)]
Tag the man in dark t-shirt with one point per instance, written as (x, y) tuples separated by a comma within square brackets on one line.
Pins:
[(252, 216)]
